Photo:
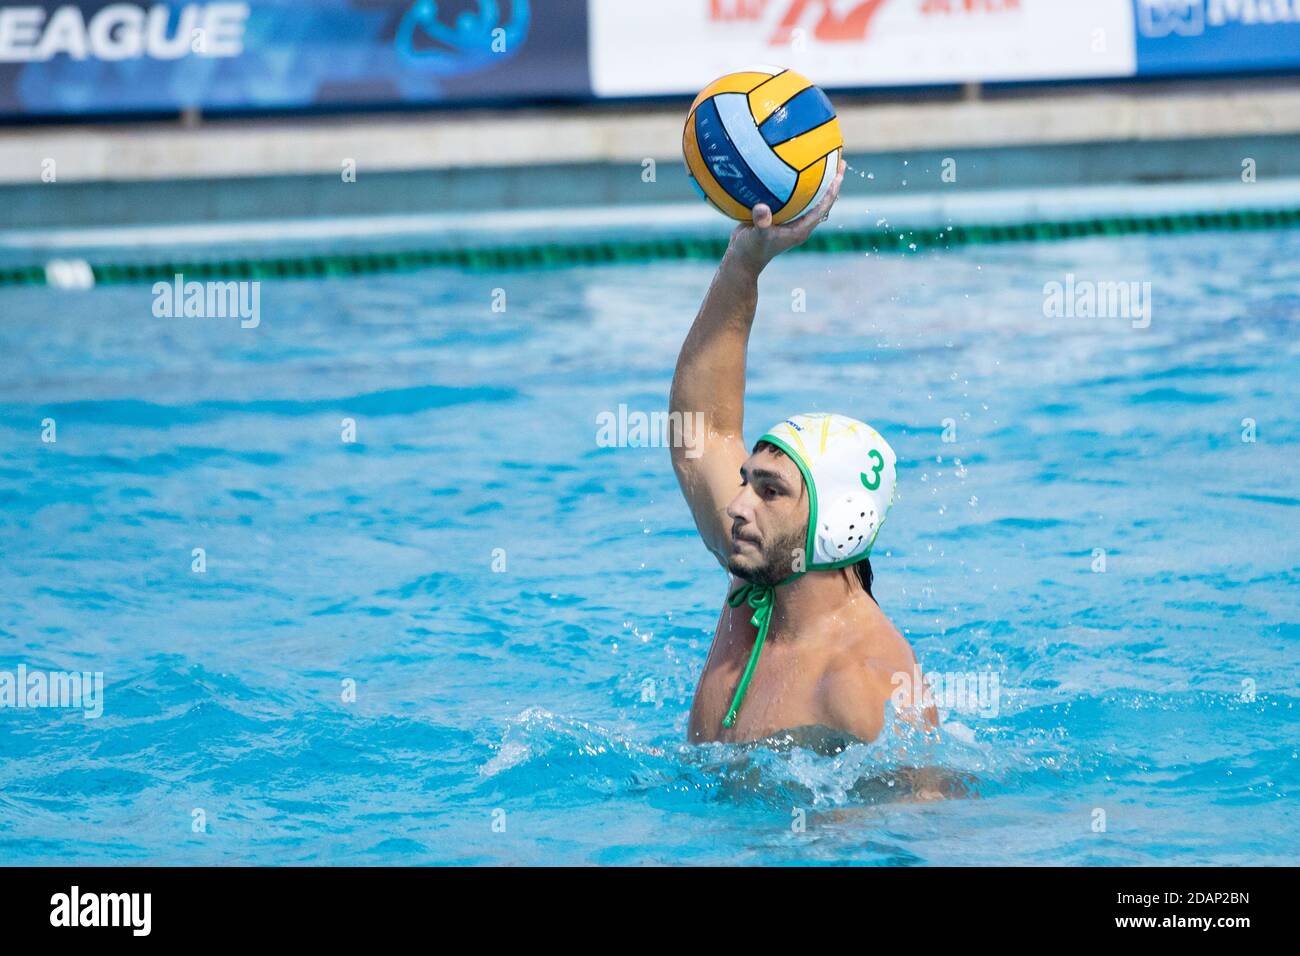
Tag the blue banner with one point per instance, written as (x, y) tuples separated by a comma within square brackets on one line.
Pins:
[(112, 57), (1216, 36)]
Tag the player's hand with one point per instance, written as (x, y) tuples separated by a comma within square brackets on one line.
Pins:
[(756, 244)]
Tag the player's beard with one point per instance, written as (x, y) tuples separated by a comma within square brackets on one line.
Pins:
[(773, 564)]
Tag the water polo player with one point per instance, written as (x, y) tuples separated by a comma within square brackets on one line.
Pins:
[(800, 641)]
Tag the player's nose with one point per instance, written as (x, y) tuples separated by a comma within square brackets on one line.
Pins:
[(742, 506)]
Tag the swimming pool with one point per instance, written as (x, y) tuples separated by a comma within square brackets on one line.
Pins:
[(524, 610)]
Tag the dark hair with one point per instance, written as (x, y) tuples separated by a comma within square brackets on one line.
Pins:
[(863, 567)]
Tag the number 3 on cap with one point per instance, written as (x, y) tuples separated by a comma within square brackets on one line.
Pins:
[(872, 483)]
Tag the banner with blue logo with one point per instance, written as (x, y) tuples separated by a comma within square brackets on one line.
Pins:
[(85, 58), (1216, 36)]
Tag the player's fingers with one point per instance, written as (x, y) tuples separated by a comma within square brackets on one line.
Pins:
[(802, 227), (819, 213), (762, 214), (823, 208), (837, 183)]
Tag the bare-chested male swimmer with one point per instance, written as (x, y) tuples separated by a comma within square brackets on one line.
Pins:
[(801, 641)]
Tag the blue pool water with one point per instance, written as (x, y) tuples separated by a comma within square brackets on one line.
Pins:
[(552, 696)]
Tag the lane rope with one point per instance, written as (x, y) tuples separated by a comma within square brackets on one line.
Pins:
[(501, 257)]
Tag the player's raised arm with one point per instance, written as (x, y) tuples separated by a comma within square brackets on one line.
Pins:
[(710, 377)]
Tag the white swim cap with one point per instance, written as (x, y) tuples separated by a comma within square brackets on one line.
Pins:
[(851, 474)]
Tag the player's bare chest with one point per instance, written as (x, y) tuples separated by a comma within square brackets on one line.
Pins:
[(782, 691)]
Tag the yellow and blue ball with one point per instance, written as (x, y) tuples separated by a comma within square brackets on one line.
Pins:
[(764, 135)]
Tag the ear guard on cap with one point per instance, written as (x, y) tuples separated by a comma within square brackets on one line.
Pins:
[(851, 473)]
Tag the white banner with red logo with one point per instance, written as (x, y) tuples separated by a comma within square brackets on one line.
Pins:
[(679, 46)]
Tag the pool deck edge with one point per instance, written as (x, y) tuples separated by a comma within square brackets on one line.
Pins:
[(307, 146)]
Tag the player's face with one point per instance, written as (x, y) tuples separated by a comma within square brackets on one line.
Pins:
[(769, 519)]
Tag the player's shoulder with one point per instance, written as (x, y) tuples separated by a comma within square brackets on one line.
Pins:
[(856, 672), (855, 688), (865, 674)]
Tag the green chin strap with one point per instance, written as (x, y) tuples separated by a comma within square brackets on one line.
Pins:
[(760, 598)]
